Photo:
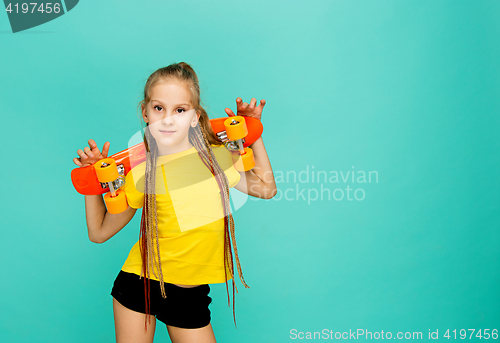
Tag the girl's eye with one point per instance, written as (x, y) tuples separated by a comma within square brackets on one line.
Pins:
[(158, 106)]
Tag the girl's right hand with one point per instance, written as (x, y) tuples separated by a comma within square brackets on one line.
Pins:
[(91, 155)]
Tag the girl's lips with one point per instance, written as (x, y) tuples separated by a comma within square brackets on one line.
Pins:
[(166, 132)]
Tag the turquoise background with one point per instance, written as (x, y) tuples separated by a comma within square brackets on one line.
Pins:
[(409, 89)]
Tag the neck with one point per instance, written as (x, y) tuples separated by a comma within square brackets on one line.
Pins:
[(167, 150)]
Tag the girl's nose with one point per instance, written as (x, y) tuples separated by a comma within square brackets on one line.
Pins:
[(167, 120)]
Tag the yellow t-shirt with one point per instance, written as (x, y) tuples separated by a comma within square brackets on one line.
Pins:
[(190, 217)]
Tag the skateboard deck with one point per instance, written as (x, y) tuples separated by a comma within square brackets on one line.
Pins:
[(85, 180)]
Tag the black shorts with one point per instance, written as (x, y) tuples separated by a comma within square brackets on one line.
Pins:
[(183, 307)]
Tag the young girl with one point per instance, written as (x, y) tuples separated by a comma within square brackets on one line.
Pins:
[(183, 189)]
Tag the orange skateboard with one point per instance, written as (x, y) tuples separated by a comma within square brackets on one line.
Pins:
[(108, 175)]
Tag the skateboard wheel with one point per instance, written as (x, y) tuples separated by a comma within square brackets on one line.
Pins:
[(116, 204), (236, 131), (108, 173), (246, 161)]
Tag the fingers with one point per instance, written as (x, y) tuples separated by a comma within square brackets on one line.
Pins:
[(105, 149), (229, 112), (88, 152), (92, 144), (83, 158), (94, 148), (82, 155), (240, 104), (252, 103)]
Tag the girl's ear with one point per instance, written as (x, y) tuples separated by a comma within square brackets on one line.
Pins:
[(196, 120), (144, 115)]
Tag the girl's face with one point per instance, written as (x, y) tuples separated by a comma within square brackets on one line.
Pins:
[(170, 114)]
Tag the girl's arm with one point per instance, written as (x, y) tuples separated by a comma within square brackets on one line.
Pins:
[(259, 181), (101, 224)]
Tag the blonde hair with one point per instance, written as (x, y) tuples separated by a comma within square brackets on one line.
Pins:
[(201, 137)]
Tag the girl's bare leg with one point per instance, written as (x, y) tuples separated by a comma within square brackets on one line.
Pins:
[(129, 325), (201, 335)]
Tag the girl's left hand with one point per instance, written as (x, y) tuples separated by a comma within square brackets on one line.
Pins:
[(249, 110)]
